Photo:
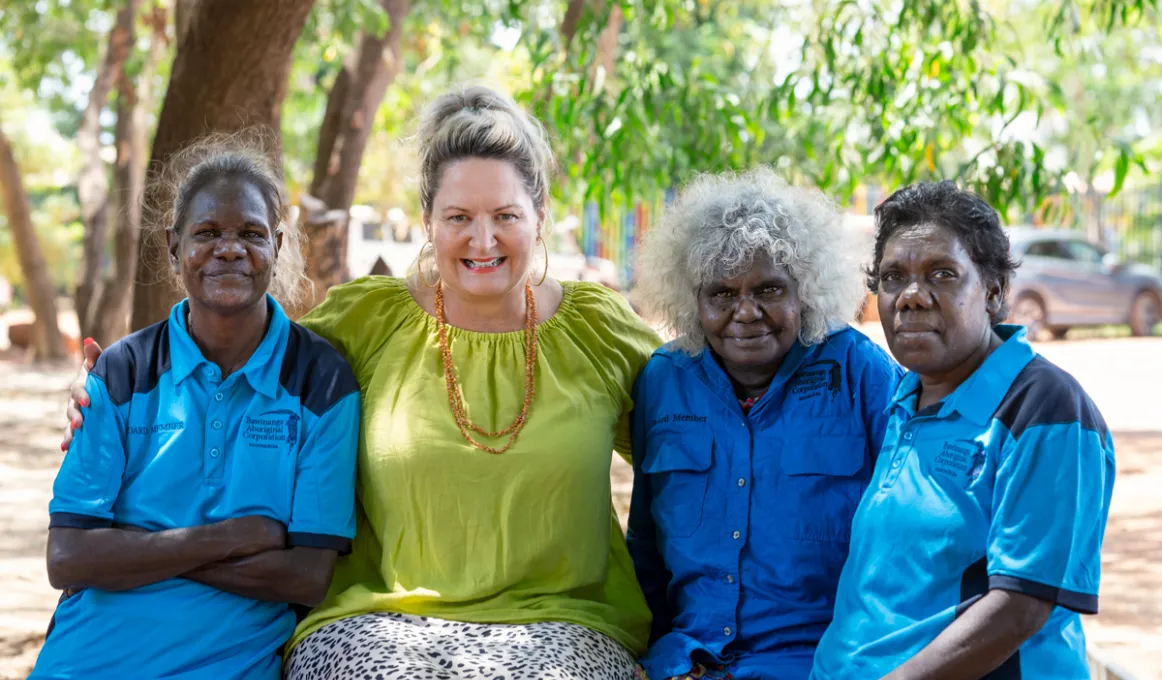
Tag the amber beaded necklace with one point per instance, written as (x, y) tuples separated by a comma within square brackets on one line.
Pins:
[(456, 395)]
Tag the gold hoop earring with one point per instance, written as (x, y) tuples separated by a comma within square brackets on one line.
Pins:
[(420, 266), (546, 249)]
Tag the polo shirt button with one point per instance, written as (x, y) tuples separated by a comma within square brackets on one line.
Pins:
[(729, 578), (217, 424), (219, 396), (907, 435), (737, 534), (726, 631), (214, 453), (741, 482), (896, 463)]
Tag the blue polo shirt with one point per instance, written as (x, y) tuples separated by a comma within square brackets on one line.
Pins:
[(1005, 484), (169, 443), (739, 522)]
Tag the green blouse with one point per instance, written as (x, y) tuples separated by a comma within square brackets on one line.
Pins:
[(449, 531)]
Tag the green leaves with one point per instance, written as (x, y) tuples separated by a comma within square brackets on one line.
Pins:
[(834, 92)]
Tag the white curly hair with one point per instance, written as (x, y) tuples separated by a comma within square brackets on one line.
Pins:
[(720, 223)]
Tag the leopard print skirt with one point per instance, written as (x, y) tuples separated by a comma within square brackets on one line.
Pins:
[(390, 646)]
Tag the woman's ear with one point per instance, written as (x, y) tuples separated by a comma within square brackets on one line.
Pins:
[(994, 299), (173, 242)]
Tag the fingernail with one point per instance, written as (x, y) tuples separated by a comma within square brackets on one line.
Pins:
[(76, 424), (64, 446), (88, 341), (84, 402)]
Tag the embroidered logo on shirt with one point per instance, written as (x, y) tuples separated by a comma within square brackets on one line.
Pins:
[(813, 379), (267, 432), (678, 418), (960, 461), (157, 427)]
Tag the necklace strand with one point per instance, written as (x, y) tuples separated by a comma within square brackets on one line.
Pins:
[(455, 393)]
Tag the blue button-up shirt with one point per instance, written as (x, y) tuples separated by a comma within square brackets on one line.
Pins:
[(1005, 484), (740, 522), (168, 443)]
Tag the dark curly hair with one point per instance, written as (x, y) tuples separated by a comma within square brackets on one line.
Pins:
[(967, 215)]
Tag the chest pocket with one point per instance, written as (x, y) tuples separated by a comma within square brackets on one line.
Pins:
[(823, 477), (678, 465)]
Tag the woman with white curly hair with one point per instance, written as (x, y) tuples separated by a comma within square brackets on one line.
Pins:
[(755, 431)]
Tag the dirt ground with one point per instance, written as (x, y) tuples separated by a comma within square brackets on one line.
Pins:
[(1124, 377)]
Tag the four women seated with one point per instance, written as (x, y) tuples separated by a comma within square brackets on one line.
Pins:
[(802, 507)]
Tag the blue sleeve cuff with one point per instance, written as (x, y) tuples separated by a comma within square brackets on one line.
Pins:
[(1082, 603), (73, 520), (339, 544)]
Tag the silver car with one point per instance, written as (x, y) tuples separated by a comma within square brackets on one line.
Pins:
[(1065, 281)]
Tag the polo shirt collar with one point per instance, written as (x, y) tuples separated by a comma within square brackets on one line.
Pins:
[(978, 397), (263, 368)]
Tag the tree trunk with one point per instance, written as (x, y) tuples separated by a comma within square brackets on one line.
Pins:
[(183, 13), (134, 101), (354, 99), (49, 344), (93, 183), (230, 73), (573, 12), (607, 46)]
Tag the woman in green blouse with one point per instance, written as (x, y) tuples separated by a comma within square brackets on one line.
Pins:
[(486, 543)]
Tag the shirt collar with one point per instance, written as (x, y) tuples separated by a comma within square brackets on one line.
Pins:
[(715, 377), (978, 397), (262, 369)]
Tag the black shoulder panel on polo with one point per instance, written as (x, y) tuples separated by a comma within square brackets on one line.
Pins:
[(314, 371), (135, 363), (1044, 394)]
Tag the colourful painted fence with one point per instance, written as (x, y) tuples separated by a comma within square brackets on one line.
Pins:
[(615, 237)]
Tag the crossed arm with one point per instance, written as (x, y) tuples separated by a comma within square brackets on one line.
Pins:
[(246, 556)]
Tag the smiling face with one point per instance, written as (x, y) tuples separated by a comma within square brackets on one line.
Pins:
[(751, 319), (226, 251), (484, 227), (933, 303)]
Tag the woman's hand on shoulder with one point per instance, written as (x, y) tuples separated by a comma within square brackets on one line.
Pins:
[(78, 397)]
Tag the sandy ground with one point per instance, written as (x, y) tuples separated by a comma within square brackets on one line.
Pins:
[(1124, 376)]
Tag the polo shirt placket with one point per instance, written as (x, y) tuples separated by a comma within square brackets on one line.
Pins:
[(215, 436)]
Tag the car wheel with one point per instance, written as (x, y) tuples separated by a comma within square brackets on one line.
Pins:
[(1145, 313), (1029, 311)]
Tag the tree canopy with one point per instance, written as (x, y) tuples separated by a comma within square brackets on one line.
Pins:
[(1016, 98)]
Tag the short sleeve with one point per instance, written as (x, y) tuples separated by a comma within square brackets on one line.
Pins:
[(342, 318), (89, 479), (1050, 503), (621, 343), (323, 512)]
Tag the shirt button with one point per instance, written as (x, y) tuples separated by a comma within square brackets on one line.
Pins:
[(219, 396), (907, 435), (896, 463), (729, 578), (214, 453), (217, 424), (726, 631), (742, 482), (737, 534)]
